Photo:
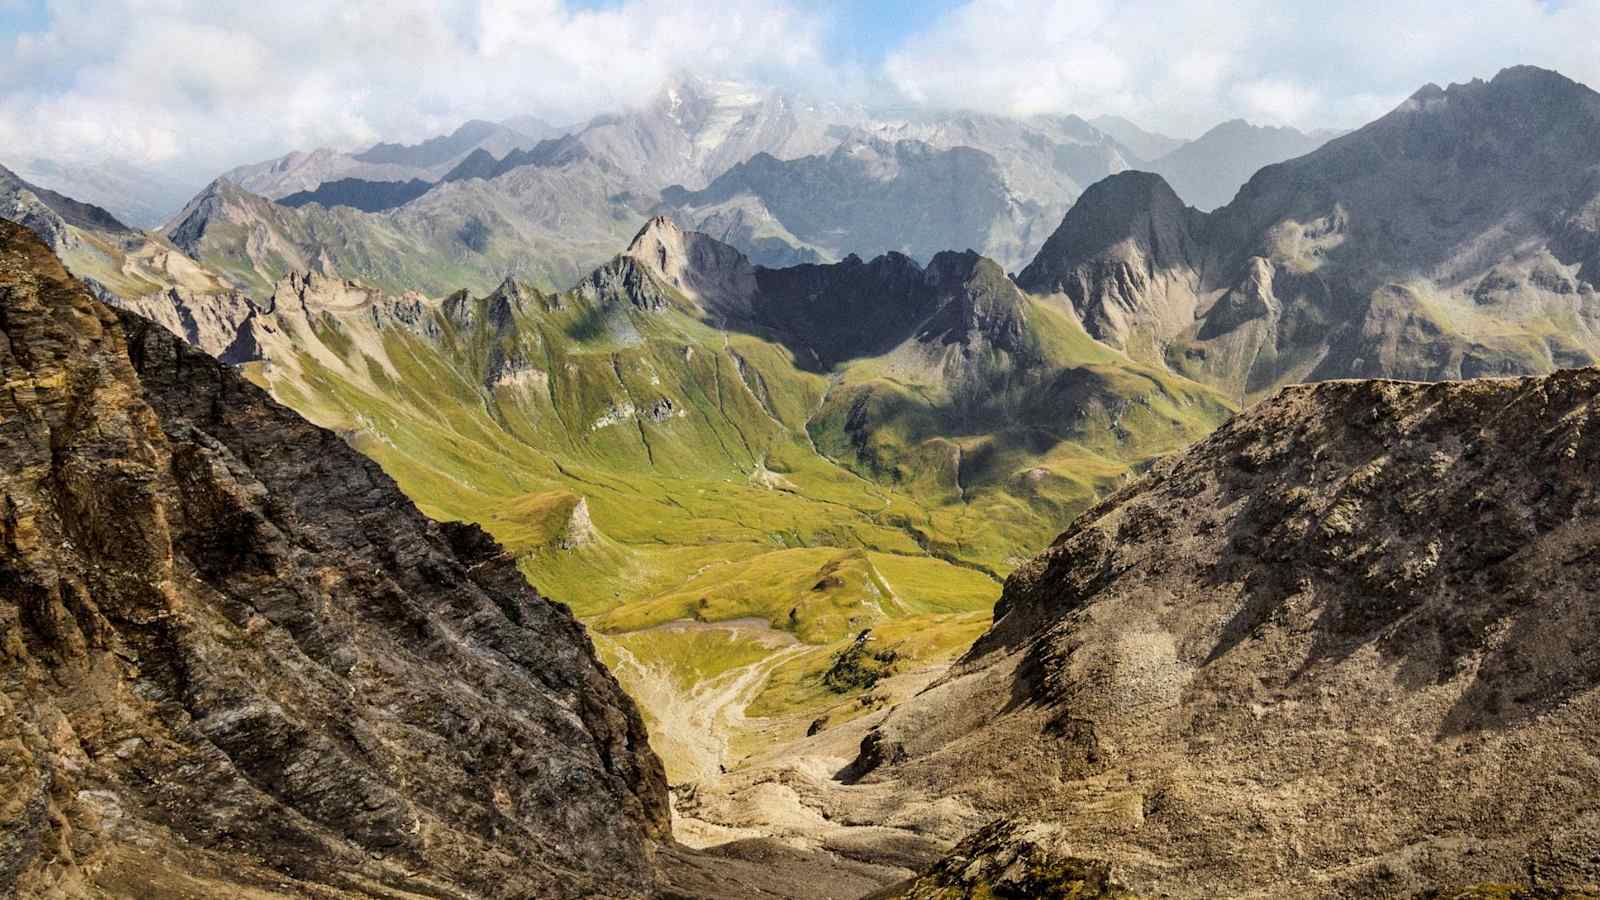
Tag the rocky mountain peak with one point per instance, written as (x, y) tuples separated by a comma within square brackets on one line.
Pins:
[(188, 228), (706, 271), (497, 311), (1125, 233), (514, 292), (981, 303)]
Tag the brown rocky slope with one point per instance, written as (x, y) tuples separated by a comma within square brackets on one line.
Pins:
[(236, 661), (1349, 645)]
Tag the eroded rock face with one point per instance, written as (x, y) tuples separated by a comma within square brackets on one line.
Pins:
[(218, 324), (235, 660), (1345, 646)]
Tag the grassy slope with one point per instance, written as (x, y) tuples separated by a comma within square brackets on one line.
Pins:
[(720, 508)]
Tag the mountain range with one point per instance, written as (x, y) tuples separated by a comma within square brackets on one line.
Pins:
[(306, 171), (1455, 237), (1340, 645), (781, 178)]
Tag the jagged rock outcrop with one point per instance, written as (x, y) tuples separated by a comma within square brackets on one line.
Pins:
[(1010, 859), (1345, 646), (1452, 238), (218, 324), (235, 659)]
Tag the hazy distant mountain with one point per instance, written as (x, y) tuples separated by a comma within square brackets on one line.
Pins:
[(53, 210), (695, 129), (438, 151), (537, 128), (784, 194), (141, 197), (141, 271), (1147, 145), (1207, 171), (868, 196), (1048, 159), (545, 211), (1459, 235), (918, 185), (544, 225), (299, 172), (554, 152)]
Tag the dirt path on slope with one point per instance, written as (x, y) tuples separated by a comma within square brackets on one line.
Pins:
[(692, 728)]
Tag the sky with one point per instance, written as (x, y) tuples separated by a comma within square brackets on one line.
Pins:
[(196, 86)]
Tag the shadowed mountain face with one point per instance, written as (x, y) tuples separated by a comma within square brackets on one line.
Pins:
[(367, 196), (238, 655), (1456, 236)]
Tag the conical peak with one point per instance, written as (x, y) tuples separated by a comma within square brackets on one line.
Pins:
[(703, 269)]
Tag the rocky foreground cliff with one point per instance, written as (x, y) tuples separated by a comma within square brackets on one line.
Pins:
[(1347, 646), (236, 661)]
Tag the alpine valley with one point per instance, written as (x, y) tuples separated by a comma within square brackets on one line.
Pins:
[(939, 505)]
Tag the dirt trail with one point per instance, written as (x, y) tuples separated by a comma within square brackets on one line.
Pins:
[(692, 728)]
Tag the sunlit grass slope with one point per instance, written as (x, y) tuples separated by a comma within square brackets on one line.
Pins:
[(651, 470)]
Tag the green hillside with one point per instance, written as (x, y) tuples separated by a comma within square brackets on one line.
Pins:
[(661, 475)]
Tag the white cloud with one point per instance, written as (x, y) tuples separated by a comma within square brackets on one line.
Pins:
[(205, 84), (1184, 66), (196, 86)]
